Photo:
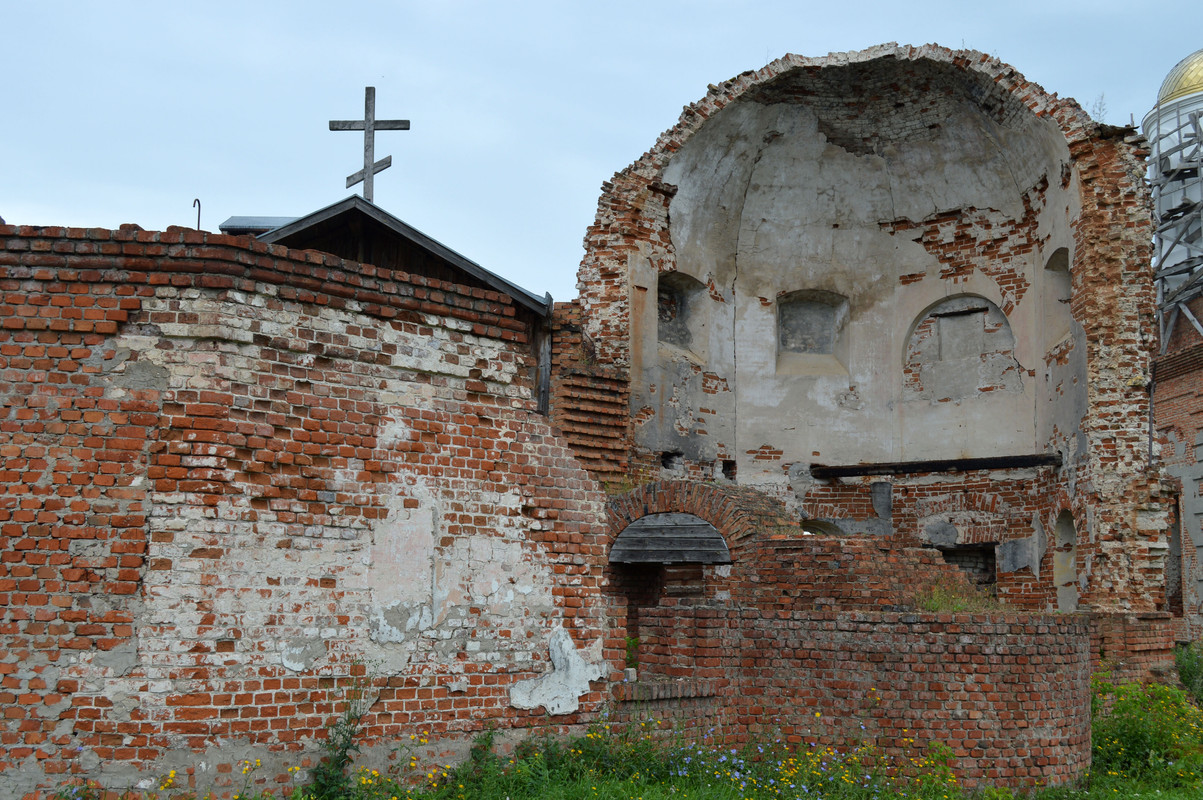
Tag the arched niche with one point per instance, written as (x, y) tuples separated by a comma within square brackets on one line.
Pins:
[(681, 312), (820, 527), (665, 553), (1058, 291), (1065, 562), (960, 348)]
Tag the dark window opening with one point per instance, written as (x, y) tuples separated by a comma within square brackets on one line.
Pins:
[(975, 560)]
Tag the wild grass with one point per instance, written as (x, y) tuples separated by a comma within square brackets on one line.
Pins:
[(1189, 660), (956, 595)]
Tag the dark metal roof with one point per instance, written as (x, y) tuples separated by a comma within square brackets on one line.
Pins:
[(356, 205), (241, 226), (670, 539)]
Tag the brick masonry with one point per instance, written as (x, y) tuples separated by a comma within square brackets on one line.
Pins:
[(233, 472), (1178, 380), (813, 637), (1092, 388), (1008, 693), (237, 476)]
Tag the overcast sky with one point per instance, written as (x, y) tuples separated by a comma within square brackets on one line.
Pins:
[(125, 112)]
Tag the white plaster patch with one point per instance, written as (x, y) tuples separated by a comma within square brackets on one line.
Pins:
[(393, 431), (300, 655), (559, 691), (401, 565)]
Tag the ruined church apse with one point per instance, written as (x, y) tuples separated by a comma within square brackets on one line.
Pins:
[(868, 262)]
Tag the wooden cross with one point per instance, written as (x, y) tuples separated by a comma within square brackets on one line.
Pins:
[(369, 125)]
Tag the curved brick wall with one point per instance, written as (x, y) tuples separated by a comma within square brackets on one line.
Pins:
[(230, 470)]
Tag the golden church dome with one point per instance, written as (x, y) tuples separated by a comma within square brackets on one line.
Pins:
[(1185, 78)]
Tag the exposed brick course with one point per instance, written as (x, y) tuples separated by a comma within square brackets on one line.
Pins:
[(1009, 694)]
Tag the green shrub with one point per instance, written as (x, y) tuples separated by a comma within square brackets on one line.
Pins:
[(1151, 732), (1189, 658)]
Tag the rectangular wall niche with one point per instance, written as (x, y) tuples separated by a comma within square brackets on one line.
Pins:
[(810, 333), (809, 321), (680, 311), (962, 334)]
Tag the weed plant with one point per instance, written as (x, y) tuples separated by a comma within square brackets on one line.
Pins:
[(1151, 733), (1189, 660), (956, 595), (632, 656), (329, 778)]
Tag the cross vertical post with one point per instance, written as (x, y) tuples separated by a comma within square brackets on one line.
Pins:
[(369, 125)]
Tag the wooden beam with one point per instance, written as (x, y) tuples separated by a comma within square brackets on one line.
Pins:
[(823, 472)]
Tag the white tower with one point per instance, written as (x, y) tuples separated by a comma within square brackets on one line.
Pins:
[(1174, 129)]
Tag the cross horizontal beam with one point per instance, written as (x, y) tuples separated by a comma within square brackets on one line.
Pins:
[(380, 125), (369, 125)]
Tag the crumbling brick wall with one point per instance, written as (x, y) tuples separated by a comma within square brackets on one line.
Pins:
[(1118, 481), (235, 472), (820, 640), (1179, 423), (589, 400), (1074, 382), (1015, 513), (232, 471)]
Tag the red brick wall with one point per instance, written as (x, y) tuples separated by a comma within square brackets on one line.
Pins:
[(218, 458), (800, 624), (853, 573), (1008, 693), (1133, 647), (1179, 421)]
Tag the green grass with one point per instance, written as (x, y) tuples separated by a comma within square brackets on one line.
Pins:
[(956, 595)]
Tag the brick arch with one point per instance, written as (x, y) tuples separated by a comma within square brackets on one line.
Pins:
[(737, 512), (984, 502), (989, 516)]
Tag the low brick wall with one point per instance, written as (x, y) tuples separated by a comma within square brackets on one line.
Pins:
[(1134, 647), (1008, 693)]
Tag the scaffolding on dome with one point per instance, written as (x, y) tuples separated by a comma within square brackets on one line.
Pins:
[(1175, 133)]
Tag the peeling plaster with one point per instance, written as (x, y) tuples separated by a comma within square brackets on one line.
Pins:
[(559, 691)]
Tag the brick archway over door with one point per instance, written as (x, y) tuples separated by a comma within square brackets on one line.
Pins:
[(737, 512)]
